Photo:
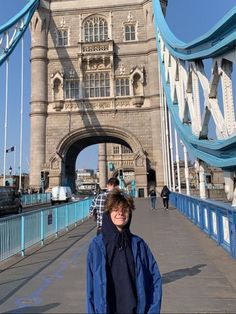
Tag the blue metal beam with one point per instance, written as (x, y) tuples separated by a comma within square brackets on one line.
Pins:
[(24, 15), (218, 153), (219, 39)]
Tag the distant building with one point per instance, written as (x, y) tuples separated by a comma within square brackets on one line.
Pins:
[(120, 161), (13, 181), (214, 177), (214, 181), (86, 180)]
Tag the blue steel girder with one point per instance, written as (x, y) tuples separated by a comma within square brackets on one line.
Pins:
[(12, 31), (216, 42), (219, 39)]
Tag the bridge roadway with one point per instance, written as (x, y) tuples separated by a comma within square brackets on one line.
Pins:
[(198, 276)]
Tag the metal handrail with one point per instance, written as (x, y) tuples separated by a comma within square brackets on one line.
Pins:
[(19, 232), (216, 219)]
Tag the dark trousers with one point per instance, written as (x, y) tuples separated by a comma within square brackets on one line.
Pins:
[(165, 202)]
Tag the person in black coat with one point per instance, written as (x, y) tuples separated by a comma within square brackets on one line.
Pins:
[(165, 196), (153, 197)]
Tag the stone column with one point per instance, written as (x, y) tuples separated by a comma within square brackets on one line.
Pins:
[(202, 182), (39, 86), (102, 164)]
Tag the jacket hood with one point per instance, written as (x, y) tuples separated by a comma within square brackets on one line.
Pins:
[(111, 233)]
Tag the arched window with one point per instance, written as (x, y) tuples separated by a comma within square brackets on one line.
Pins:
[(62, 36), (97, 85), (130, 32), (95, 29)]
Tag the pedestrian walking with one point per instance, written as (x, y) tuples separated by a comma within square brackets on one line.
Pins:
[(165, 197), (122, 274), (97, 207), (153, 197)]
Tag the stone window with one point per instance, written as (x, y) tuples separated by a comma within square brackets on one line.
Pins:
[(116, 150), (62, 38), (95, 29), (72, 89), (130, 32), (125, 150), (97, 85), (122, 87)]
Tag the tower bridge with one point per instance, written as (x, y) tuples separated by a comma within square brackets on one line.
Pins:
[(93, 82)]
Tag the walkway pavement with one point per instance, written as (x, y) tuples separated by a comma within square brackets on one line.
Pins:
[(198, 276)]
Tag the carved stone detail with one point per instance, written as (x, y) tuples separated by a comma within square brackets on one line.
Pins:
[(140, 159), (57, 86)]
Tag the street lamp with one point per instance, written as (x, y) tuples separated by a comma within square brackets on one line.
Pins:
[(10, 170)]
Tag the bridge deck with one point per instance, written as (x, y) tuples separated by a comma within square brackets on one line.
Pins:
[(198, 276)]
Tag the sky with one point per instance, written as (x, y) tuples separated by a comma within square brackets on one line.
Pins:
[(188, 19)]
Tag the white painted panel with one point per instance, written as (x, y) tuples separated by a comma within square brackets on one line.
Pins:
[(214, 223), (206, 217), (193, 211), (198, 214), (225, 223)]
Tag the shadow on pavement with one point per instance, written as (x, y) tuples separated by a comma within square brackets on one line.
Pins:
[(34, 309), (181, 273), (24, 280)]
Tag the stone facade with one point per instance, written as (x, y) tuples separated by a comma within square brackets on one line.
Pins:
[(94, 80)]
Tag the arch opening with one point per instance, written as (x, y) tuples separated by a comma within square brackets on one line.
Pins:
[(68, 175), (129, 164)]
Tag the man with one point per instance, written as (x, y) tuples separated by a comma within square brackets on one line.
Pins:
[(97, 207), (153, 196)]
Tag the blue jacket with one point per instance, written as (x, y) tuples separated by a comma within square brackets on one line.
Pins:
[(148, 278)]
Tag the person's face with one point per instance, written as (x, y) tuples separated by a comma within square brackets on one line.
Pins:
[(110, 187), (119, 217)]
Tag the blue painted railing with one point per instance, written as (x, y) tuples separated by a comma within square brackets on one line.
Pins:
[(19, 232), (33, 199), (214, 218)]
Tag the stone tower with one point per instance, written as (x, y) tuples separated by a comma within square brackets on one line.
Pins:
[(94, 80)]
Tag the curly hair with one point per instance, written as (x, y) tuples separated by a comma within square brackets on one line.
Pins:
[(116, 198)]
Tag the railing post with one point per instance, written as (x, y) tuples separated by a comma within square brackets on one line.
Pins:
[(219, 228), (67, 218), (56, 221), (75, 205), (232, 227), (84, 204), (41, 227), (22, 235)]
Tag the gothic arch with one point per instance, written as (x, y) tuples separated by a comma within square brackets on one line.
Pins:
[(137, 81), (57, 85), (62, 161), (90, 16), (95, 136), (95, 28)]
